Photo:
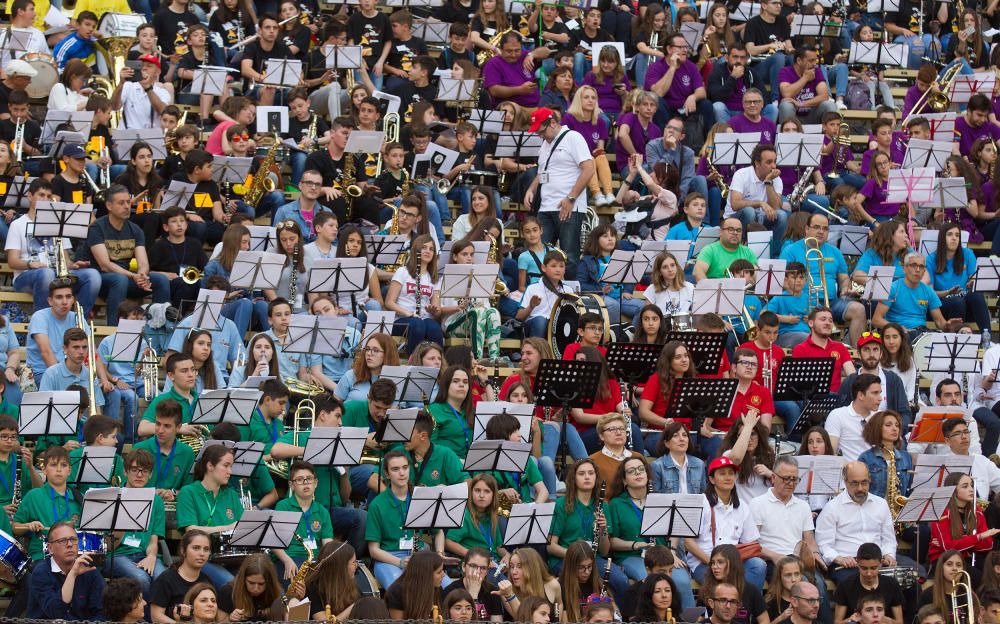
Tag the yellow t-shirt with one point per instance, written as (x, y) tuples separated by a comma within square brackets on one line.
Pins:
[(41, 10), (100, 7)]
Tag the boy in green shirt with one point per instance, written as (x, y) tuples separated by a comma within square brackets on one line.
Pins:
[(521, 487), (430, 464), (370, 414), (44, 506), (14, 460), (314, 528), (333, 487), (99, 430), (136, 554), (267, 422), (181, 371), (172, 459)]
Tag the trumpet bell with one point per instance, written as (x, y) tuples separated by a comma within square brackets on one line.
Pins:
[(191, 275)]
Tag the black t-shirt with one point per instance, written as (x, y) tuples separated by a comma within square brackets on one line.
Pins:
[(227, 27), (190, 61), (299, 129), (557, 28), (173, 165), (32, 133), (209, 187), (402, 53), (410, 93), (753, 605), (258, 56), (848, 592), (389, 185), (759, 32), (64, 190), (333, 171), (298, 37), (315, 65), (121, 244), (580, 38), (171, 28), (395, 597), (168, 257), (492, 603), (370, 33), (487, 30), (168, 589)]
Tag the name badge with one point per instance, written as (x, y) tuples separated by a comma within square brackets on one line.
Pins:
[(543, 178), (489, 32), (310, 544), (406, 543), (132, 541)]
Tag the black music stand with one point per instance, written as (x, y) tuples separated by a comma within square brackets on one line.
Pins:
[(339, 276), (316, 335), (106, 510), (799, 379), (384, 249), (45, 414), (820, 474), (439, 507), (635, 363), (266, 528), (414, 384), (566, 384), (814, 412), (486, 410), (339, 447), (954, 353), (257, 270), (246, 455), (696, 399), (497, 456), (626, 268), (378, 322), (706, 349), (672, 515), (95, 466), (235, 405), (926, 505), (529, 524)]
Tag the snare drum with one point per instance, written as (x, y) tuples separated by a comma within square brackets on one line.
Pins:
[(224, 552), (93, 544), (564, 316), (14, 560), (785, 448), (48, 74), (475, 177)]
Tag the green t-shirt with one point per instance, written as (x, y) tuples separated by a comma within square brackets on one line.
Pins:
[(197, 507), (134, 542), (171, 471), (472, 534), (259, 485), (451, 429), (8, 468), (260, 431), (625, 522), (74, 469), (572, 526), (48, 507), (719, 258), (187, 407), (441, 466), (386, 516), (327, 477), (314, 525), (521, 482), (356, 415)]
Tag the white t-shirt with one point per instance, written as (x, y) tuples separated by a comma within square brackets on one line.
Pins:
[(20, 237), (847, 426), (137, 110), (62, 98), (752, 188), (36, 44), (672, 302), (408, 288), (562, 170), (548, 297)]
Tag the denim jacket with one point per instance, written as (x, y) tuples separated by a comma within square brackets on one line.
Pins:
[(878, 468), (666, 475)]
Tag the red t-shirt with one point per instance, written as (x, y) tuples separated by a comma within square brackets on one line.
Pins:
[(834, 349), (757, 397), (513, 379), (777, 354), (653, 393), (571, 350), (602, 406)]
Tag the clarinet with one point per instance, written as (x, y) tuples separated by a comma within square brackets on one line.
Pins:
[(598, 508), (418, 296), (293, 283), (16, 496)]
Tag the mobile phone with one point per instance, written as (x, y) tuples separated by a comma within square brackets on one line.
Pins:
[(971, 30), (619, 85), (136, 70)]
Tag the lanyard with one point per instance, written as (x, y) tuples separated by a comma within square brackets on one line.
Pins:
[(586, 520), (52, 496), (636, 509), (404, 509), (212, 505), (307, 515), (159, 455), (487, 537), (13, 474), (516, 477), (173, 251), (461, 421), (274, 426)]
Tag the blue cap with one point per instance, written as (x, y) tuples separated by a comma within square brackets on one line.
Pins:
[(74, 151)]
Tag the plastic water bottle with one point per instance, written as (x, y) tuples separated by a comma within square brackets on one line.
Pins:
[(266, 371)]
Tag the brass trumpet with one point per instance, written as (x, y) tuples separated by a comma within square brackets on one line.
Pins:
[(191, 275)]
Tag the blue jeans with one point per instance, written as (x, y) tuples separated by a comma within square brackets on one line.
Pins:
[(218, 575), (113, 402), (754, 571), (550, 441), (970, 307), (268, 205), (622, 310), (581, 66), (547, 468), (351, 522), (714, 209), (642, 63), (358, 476), (125, 565), (991, 422), (703, 108), (297, 160), (419, 330), (386, 573), (239, 312), (777, 225), (724, 114), (790, 412), (698, 184), (844, 177), (840, 75), (36, 281), (116, 287), (566, 233), (635, 569), (536, 326)]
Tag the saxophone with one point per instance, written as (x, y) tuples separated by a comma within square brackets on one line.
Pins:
[(893, 496), (716, 175), (261, 183), (494, 41), (404, 255), (348, 184), (300, 574), (493, 257), (311, 134)]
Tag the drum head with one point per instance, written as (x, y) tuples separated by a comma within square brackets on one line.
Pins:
[(48, 76), (562, 326)]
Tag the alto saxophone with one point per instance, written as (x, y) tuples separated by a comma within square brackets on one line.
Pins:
[(347, 183), (893, 496), (300, 574), (493, 257), (494, 41), (261, 182), (311, 134), (716, 175)]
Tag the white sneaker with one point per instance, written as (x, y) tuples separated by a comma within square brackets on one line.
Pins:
[(841, 105), (600, 199), (610, 199)]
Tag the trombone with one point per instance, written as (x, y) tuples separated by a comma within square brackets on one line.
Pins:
[(958, 607), (937, 102), (813, 252)]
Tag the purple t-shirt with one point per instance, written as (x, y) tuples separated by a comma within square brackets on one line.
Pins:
[(497, 71), (591, 132), (639, 138), (808, 92), (912, 96), (687, 78), (726, 171), (875, 203), (996, 107), (789, 177), (735, 101), (607, 99), (967, 135), (765, 126)]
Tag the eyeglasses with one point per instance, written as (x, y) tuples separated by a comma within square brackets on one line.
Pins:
[(753, 102), (747, 363), (139, 471), (8, 438), (732, 229), (862, 483), (807, 600), (310, 183), (916, 265), (373, 350), (726, 602), (821, 228), (962, 433), (304, 480), (638, 470), (594, 328), (405, 213), (477, 568), (64, 542), (614, 430), (788, 480)]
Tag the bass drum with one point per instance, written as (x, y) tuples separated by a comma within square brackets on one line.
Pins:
[(48, 74), (564, 316), (366, 582)]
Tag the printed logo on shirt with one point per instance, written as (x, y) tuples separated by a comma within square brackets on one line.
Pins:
[(686, 80), (425, 289), (922, 302), (435, 474), (595, 135), (835, 355), (120, 249), (755, 399), (316, 526), (230, 514)]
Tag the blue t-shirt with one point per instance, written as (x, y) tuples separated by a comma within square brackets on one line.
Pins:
[(44, 322), (683, 231), (909, 306), (833, 263), (350, 390), (289, 363), (122, 370), (791, 305), (527, 263), (870, 259), (949, 279), (8, 340), (59, 377), (335, 367), (120, 244)]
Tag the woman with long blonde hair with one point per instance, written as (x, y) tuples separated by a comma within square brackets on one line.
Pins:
[(531, 577), (584, 116)]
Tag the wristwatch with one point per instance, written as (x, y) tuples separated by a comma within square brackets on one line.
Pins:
[(571, 198)]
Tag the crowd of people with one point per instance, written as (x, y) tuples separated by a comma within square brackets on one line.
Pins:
[(615, 110)]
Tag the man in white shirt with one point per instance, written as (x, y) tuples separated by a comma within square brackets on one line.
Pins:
[(947, 393), (986, 393), (852, 518), (845, 424), (778, 539), (22, 17), (985, 473), (564, 168), (755, 195), (141, 102)]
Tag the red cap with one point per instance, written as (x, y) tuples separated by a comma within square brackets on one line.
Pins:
[(722, 462), (149, 58), (540, 116), (869, 336)]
